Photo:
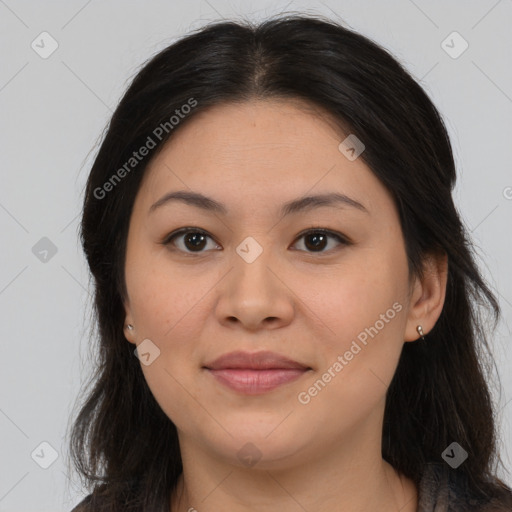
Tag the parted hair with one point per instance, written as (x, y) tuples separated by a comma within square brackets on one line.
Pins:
[(122, 445)]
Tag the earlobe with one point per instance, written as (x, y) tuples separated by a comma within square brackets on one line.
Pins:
[(427, 298), (129, 332), (129, 329)]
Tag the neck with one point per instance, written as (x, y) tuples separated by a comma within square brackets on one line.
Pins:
[(351, 477)]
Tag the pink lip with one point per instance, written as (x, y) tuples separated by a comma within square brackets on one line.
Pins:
[(255, 382), (263, 360), (255, 373)]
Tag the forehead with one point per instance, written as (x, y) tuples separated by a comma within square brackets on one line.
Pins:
[(261, 151), (259, 127)]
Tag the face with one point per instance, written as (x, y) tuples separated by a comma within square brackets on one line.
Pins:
[(253, 276)]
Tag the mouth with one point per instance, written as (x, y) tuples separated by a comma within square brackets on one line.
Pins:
[(255, 373)]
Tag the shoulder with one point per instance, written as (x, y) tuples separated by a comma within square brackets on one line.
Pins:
[(120, 496), (444, 489), (84, 505)]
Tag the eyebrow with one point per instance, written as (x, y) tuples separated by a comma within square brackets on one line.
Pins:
[(297, 205)]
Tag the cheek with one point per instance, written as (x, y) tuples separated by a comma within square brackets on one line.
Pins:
[(362, 313), (364, 293), (167, 299), (172, 311)]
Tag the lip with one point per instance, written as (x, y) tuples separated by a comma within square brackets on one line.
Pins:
[(255, 373), (263, 360), (256, 382)]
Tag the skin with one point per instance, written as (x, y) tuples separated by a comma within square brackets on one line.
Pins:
[(306, 304)]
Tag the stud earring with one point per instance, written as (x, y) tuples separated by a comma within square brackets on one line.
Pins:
[(129, 327), (420, 332)]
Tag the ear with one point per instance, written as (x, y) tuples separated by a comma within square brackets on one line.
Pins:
[(427, 296), (129, 334)]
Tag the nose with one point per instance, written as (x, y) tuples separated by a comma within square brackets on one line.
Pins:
[(255, 295)]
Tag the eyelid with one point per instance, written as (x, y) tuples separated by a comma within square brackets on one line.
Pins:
[(318, 229), (342, 239), (181, 231)]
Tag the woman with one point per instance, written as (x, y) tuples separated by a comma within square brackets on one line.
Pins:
[(285, 294)]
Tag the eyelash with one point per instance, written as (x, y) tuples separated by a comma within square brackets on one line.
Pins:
[(343, 240)]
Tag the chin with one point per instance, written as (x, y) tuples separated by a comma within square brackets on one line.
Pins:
[(262, 447)]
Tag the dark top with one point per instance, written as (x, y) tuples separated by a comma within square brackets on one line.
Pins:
[(441, 490)]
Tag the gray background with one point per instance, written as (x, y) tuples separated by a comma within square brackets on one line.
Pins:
[(53, 111)]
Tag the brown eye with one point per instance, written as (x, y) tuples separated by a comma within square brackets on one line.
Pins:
[(317, 240), (192, 240)]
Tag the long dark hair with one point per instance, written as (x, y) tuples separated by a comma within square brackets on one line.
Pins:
[(122, 444)]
